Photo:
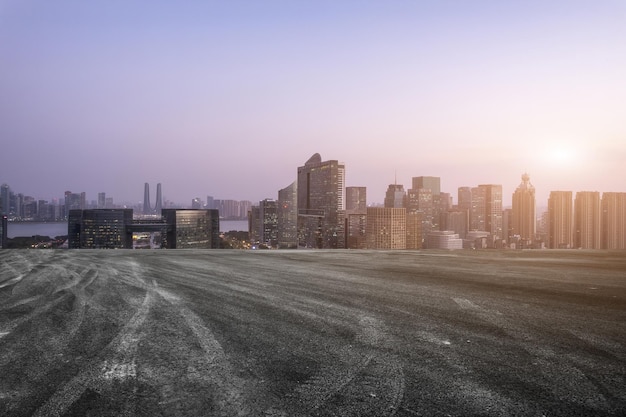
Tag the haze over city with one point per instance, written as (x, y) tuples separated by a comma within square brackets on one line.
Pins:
[(229, 98)]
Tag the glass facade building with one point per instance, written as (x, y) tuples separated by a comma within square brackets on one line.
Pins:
[(192, 229), (99, 229), (321, 209)]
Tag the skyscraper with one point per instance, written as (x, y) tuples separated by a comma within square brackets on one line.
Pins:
[(147, 209), (560, 219), (493, 210), (395, 196), (268, 212), (321, 209), (613, 221), (287, 217), (523, 216), (356, 199), (430, 183), (158, 205), (5, 199), (587, 220)]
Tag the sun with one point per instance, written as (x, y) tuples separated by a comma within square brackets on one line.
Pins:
[(562, 154)]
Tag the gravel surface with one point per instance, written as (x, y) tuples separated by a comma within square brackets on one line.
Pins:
[(312, 333)]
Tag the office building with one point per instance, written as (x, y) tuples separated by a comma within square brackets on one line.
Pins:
[(456, 220), (5, 199), (587, 216), (287, 217), (356, 217), (414, 236), (74, 201), (254, 224), (386, 228), (523, 220), (465, 199), (395, 196), (101, 200), (356, 199), (560, 220), (99, 229), (117, 229), (4, 222), (268, 213), (192, 229), (613, 220), (196, 203), (321, 208), (429, 183)]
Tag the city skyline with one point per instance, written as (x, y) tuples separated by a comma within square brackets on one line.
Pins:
[(228, 99)]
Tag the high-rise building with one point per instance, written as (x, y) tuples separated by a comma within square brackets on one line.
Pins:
[(493, 210), (430, 183), (254, 224), (196, 203), (560, 220), (356, 217), (158, 205), (4, 222), (587, 217), (5, 199), (613, 220), (414, 230), (465, 199), (321, 208), (395, 196), (457, 220), (287, 217), (102, 197), (386, 228), (99, 229), (356, 199), (269, 222), (147, 208), (523, 215), (210, 204), (192, 229), (74, 201)]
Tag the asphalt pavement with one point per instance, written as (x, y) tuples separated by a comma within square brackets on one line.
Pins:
[(312, 333)]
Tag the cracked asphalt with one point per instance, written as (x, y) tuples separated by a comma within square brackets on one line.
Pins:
[(312, 333)]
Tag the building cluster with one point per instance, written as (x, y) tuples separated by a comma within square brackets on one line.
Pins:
[(318, 210), (119, 229)]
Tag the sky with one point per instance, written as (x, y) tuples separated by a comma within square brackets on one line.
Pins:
[(229, 98)]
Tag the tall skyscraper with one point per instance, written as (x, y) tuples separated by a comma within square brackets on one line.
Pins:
[(395, 196), (465, 198), (613, 221), (431, 183), (4, 221), (587, 217), (268, 212), (560, 220), (147, 209), (102, 198), (5, 199), (321, 209), (523, 215), (287, 217), (493, 210), (356, 199), (477, 211), (158, 205)]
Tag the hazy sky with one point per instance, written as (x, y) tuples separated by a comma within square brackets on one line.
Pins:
[(228, 98)]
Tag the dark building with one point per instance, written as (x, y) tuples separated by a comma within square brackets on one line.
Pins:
[(116, 229), (4, 221), (192, 229), (269, 222), (99, 229), (287, 217), (321, 209)]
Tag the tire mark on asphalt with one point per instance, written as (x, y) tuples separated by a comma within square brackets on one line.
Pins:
[(229, 398), (119, 365), (359, 373)]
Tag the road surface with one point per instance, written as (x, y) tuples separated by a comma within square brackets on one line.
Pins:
[(312, 333)]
